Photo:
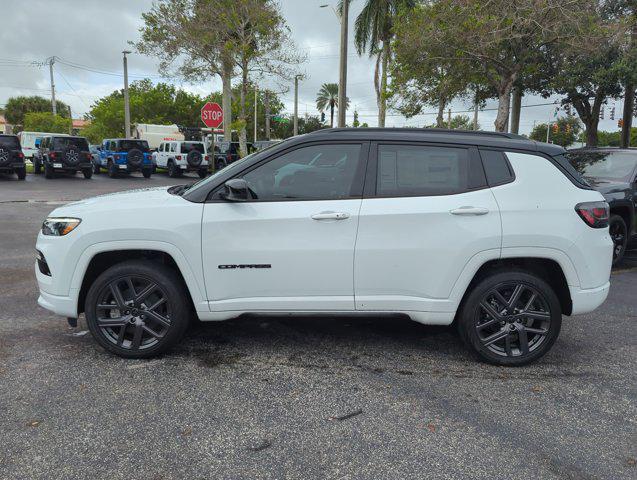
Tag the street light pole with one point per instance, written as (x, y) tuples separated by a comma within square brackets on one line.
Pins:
[(126, 99), (342, 82), (296, 105), (53, 102)]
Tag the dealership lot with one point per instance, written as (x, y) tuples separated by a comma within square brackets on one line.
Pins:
[(301, 398)]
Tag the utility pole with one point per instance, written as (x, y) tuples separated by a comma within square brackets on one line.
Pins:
[(256, 96), (342, 82), (449, 119), (126, 99), (266, 102), (476, 106), (629, 95), (516, 108), (296, 105), (53, 103)]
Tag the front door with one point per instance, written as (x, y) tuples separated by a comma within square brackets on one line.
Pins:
[(292, 246), (428, 213)]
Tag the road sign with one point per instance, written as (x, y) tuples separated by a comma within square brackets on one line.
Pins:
[(212, 115)]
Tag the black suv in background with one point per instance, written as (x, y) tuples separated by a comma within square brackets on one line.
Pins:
[(11, 156), (613, 172), (227, 153), (64, 154)]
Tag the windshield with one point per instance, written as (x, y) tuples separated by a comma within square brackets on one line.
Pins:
[(187, 147), (9, 142), (61, 143), (126, 145), (607, 165)]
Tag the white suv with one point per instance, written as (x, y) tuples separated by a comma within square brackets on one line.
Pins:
[(491, 231), (182, 156)]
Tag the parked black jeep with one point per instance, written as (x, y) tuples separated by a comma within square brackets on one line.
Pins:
[(613, 172), (63, 154), (11, 156)]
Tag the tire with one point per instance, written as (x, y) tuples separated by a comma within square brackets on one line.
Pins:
[(619, 234), (173, 170), (203, 172), (112, 170), (495, 333), (37, 167), (147, 172), (48, 171), (168, 322), (96, 168), (88, 173), (21, 173)]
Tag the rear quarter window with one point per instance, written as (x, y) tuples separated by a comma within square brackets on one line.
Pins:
[(496, 167)]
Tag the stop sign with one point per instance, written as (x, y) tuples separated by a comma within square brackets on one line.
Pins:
[(212, 115)]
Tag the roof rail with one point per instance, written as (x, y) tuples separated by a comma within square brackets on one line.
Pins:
[(513, 136)]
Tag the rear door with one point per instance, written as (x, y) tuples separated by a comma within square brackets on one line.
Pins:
[(426, 214)]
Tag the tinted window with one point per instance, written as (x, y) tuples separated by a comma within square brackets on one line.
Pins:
[(405, 170), (126, 145), (604, 165), (60, 143), (9, 142), (318, 172), (496, 167), (189, 146)]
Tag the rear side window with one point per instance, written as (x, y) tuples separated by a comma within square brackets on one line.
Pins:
[(496, 167), (10, 142), (66, 142), (187, 147), (414, 170)]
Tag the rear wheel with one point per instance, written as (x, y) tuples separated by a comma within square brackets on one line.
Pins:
[(21, 173), (48, 171), (112, 170), (173, 170), (137, 309), (619, 234), (510, 318), (37, 167), (147, 172), (88, 173)]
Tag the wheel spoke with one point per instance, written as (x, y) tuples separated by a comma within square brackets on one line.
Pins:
[(159, 302), (120, 336), (117, 295), (539, 331), (503, 301), (537, 315), (158, 318), (507, 345), (490, 310), (515, 296), (145, 292), (152, 332), (112, 322), (529, 304), (523, 340), (129, 283), (484, 325), (499, 335), (137, 337)]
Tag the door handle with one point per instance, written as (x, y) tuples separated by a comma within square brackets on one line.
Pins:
[(330, 216), (466, 211)]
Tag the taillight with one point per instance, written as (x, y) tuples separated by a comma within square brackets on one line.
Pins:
[(88, 155), (229, 156), (52, 154), (206, 158), (178, 157), (595, 214), (20, 155)]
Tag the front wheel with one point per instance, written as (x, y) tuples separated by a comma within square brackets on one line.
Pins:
[(510, 318), (112, 170), (137, 309), (96, 168), (173, 170), (203, 172), (21, 173), (147, 172), (619, 234)]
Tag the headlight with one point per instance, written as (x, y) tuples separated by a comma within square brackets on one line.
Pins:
[(58, 227)]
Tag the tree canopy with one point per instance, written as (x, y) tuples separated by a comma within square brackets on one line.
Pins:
[(17, 107)]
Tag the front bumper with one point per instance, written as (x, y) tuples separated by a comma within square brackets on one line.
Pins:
[(64, 306), (586, 300)]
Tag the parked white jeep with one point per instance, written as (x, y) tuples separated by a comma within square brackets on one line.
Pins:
[(182, 156)]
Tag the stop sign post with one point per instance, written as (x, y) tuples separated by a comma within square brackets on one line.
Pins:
[(212, 115)]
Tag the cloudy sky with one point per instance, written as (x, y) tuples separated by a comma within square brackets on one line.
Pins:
[(90, 35)]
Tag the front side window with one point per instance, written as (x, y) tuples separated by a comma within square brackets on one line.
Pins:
[(414, 170), (318, 172)]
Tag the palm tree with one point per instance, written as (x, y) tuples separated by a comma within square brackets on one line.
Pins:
[(328, 98), (373, 32)]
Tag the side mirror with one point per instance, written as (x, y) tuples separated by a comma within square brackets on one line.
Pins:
[(236, 190)]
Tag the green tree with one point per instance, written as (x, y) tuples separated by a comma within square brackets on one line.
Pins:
[(462, 122), (569, 129), (47, 122), (499, 41), (327, 98), (373, 34), (17, 107), (284, 126)]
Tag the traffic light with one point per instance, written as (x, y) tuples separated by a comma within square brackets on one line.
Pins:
[(601, 113), (322, 117), (620, 123), (612, 113), (556, 128), (567, 108)]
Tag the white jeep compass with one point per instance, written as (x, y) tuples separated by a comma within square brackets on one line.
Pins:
[(491, 231)]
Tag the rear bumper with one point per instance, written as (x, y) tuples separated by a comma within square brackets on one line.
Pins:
[(586, 300), (11, 166)]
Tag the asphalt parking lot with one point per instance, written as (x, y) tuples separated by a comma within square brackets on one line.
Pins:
[(301, 398)]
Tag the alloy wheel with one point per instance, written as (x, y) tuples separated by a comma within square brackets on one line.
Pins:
[(133, 312), (512, 319)]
